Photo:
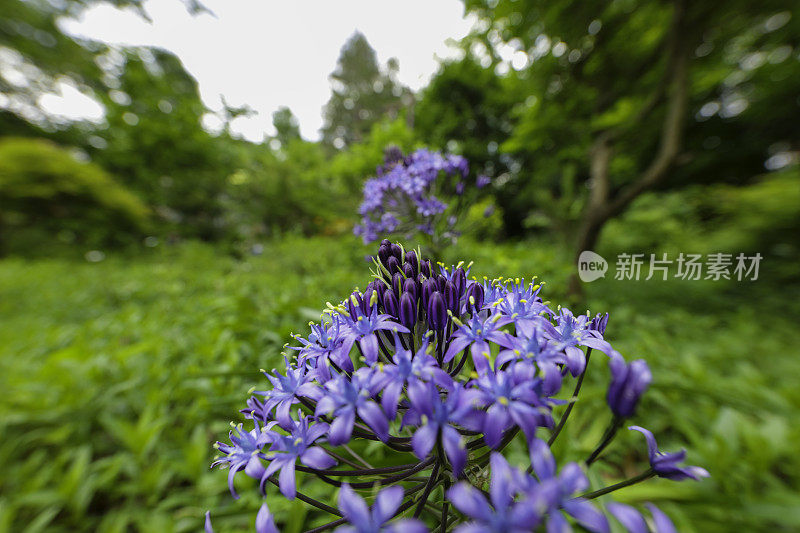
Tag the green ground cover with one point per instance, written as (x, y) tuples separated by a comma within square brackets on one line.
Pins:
[(118, 376)]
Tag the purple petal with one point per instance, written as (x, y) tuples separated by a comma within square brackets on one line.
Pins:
[(353, 507), (342, 428), (542, 461), (576, 361), (423, 440), (501, 485), (469, 501), (375, 419), (456, 346), (495, 422), (369, 346), (652, 445), (315, 457), (660, 520), (390, 398), (264, 522), (286, 481), (454, 448), (630, 518), (587, 515), (208, 527), (387, 502), (556, 523)]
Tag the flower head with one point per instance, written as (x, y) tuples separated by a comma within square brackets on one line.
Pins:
[(666, 464)]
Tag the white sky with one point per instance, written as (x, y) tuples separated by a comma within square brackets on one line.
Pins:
[(269, 53)]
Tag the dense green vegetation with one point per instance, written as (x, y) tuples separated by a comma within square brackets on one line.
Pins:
[(119, 374)]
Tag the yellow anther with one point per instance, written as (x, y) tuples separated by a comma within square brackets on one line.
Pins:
[(503, 400)]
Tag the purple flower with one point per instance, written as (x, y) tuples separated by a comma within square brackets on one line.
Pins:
[(504, 515), (633, 521), (476, 335), (286, 449), (435, 416), (284, 393), (362, 520), (407, 368), (482, 181), (512, 397), (555, 493), (347, 396), (628, 383), (363, 328), (666, 464), (571, 332), (245, 451)]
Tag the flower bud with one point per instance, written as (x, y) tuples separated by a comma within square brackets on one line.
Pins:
[(408, 310), (599, 323), (392, 265), (460, 188), (440, 281), (413, 260), (408, 270), (397, 251), (425, 268), (410, 286), (460, 281), (437, 311), (628, 383), (429, 286), (390, 305), (397, 284), (386, 242), (451, 297), (474, 298), (354, 304), (384, 252)]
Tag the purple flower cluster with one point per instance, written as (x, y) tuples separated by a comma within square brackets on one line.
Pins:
[(406, 195), (443, 371)]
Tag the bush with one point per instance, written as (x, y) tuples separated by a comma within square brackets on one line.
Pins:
[(48, 196)]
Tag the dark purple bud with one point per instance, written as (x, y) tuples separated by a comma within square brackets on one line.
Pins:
[(425, 268), (397, 284), (367, 299), (599, 323), (410, 286), (474, 298), (429, 286), (386, 242), (460, 281), (628, 383), (413, 260), (397, 252), (437, 312), (379, 286), (408, 310), (393, 265), (451, 297), (384, 252), (440, 281), (408, 270), (354, 304), (390, 305)]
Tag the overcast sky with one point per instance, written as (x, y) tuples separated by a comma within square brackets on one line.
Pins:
[(269, 53)]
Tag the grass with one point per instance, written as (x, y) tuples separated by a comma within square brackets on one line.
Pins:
[(119, 375)]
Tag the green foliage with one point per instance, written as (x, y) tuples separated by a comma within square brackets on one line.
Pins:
[(121, 374), (47, 194)]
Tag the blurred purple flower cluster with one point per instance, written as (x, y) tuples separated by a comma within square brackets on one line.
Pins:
[(407, 196), (443, 371)]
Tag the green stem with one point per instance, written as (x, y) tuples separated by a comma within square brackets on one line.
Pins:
[(622, 484)]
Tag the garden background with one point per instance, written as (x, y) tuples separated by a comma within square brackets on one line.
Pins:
[(149, 268)]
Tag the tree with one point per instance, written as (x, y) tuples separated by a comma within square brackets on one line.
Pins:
[(615, 89), (286, 126), (362, 95)]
